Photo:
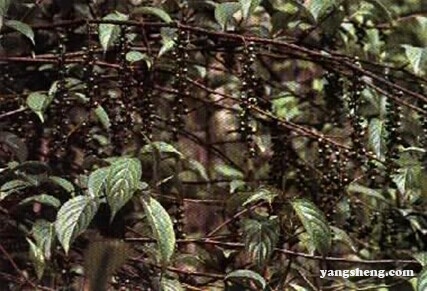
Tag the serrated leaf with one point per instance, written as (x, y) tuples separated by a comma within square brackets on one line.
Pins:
[(224, 12), (162, 227), (260, 238), (109, 33), (44, 199), (421, 257), (160, 13), (262, 193), (422, 280), (102, 116), (15, 144), (38, 103), (342, 236), (416, 57), (318, 8), (37, 258), (162, 147), (21, 27), (122, 182), (248, 7), (11, 187), (170, 285), (247, 275), (377, 137), (135, 56), (63, 183), (97, 182), (315, 224), (73, 218)]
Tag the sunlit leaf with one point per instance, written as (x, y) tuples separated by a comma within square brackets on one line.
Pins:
[(262, 194), (260, 238), (63, 183), (109, 33), (37, 258), (162, 227), (318, 8), (416, 57), (97, 182), (135, 56), (421, 258), (315, 224), (248, 6), (122, 182), (224, 12), (44, 199), (38, 103), (342, 236), (73, 218), (422, 280), (11, 187), (21, 27), (377, 137)]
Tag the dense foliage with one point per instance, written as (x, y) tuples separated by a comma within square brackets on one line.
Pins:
[(202, 145)]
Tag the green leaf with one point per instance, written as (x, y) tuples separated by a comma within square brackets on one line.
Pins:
[(315, 224), (160, 13), (11, 187), (97, 182), (422, 280), (260, 238), (162, 227), (377, 137), (229, 172), (4, 6), (421, 257), (162, 147), (44, 199), (38, 103), (43, 233), (170, 285), (357, 188), (224, 12), (135, 56), (37, 258), (102, 116), (416, 57), (109, 33), (122, 182), (286, 107), (198, 168), (342, 236), (73, 218), (63, 183), (318, 8), (262, 193), (168, 43), (381, 8), (407, 178), (247, 275), (248, 7), (21, 27)]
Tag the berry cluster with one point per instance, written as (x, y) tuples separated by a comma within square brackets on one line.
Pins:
[(179, 108), (333, 90), (394, 139), (356, 120), (248, 98)]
